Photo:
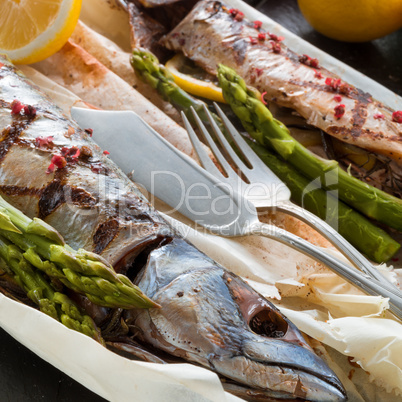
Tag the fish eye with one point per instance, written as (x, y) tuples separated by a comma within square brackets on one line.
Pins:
[(268, 323)]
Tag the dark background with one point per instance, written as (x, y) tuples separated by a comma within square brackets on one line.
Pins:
[(24, 376)]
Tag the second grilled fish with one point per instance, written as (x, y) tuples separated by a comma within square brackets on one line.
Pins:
[(212, 33)]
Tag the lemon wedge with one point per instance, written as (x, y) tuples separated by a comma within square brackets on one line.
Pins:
[(193, 85), (33, 30)]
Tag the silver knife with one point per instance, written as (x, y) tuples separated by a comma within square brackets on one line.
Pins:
[(163, 170)]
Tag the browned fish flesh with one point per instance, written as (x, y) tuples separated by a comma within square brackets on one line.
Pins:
[(145, 31), (212, 33)]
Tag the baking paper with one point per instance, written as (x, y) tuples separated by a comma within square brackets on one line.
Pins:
[(346, 321)]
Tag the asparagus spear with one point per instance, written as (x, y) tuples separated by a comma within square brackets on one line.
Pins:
[(359, 231), (42, 293), (376, 244), (81, 271), (259, 122), (148, 68)]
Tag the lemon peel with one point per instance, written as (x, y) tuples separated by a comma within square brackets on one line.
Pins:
[(193, 85), (353, 20)]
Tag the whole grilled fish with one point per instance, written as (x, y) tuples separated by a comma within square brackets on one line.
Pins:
[(50, 168), (212, 34)]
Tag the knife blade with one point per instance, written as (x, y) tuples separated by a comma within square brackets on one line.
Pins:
[(163, 170)]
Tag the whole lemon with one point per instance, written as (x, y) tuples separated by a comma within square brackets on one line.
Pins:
[(353, 20)]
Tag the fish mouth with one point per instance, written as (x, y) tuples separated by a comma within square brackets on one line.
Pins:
[(259, 395), (274, 355), (278, 380)]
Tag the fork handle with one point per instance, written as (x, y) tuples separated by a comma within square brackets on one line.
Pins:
[(352, 275), (339, 242)]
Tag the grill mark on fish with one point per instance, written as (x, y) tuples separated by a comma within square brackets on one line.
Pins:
[(77, 195), (20, 191), (11, 134), (51, 198), (364, 97), (81, 197), (137, 213), (358, 118), (57, 193), (104, 234)]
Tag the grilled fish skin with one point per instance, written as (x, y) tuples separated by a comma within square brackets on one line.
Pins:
[(210, 35), (209, 316), (90, 201)]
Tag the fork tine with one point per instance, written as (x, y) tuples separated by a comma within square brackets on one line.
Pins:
[(218, 155), (225, 143), (240, 142), (256, 163), (200, 151)]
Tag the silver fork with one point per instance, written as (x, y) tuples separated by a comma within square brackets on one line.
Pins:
[(259, 173)]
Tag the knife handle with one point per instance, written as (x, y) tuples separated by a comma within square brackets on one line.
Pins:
[(367, 284), (350, 252)]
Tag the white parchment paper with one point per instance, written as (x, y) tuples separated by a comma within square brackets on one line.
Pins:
[(321, 304)]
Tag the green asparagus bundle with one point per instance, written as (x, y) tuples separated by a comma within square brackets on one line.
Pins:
[(42, 293), (81, 271), (148, 68), (359, 231), (259, 122)]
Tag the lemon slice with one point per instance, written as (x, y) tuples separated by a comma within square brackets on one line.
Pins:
[(193, 85), (33, 30)]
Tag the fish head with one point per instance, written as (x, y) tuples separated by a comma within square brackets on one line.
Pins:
[(212, 317), (272, 355)]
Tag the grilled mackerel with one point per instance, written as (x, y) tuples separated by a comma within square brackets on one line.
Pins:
[(212, 34), (90, 201), (208, 315)]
